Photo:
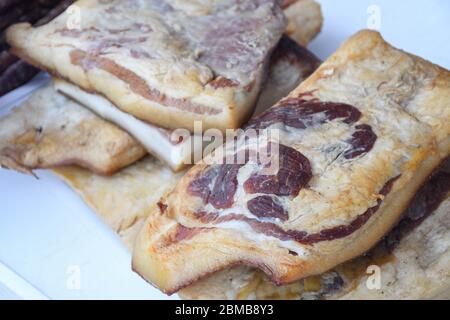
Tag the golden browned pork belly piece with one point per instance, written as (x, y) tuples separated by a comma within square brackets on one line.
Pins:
[(288, 66), (125, 199), (356, 141), (411, 262), (51, 130), (166, 62)]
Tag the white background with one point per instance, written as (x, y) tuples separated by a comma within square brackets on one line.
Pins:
[(48, 235)]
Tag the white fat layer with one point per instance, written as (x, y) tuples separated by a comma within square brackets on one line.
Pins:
[(156, 140), (243, 227)]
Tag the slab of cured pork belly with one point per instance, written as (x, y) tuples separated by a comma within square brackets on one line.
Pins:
[(414, 262), (356, 141), (166, 62), (92, 142), (414, 257), (289, 64), (125, 199), (49, 130)]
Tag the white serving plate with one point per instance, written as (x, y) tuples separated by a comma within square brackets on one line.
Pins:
[(52, 246)]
